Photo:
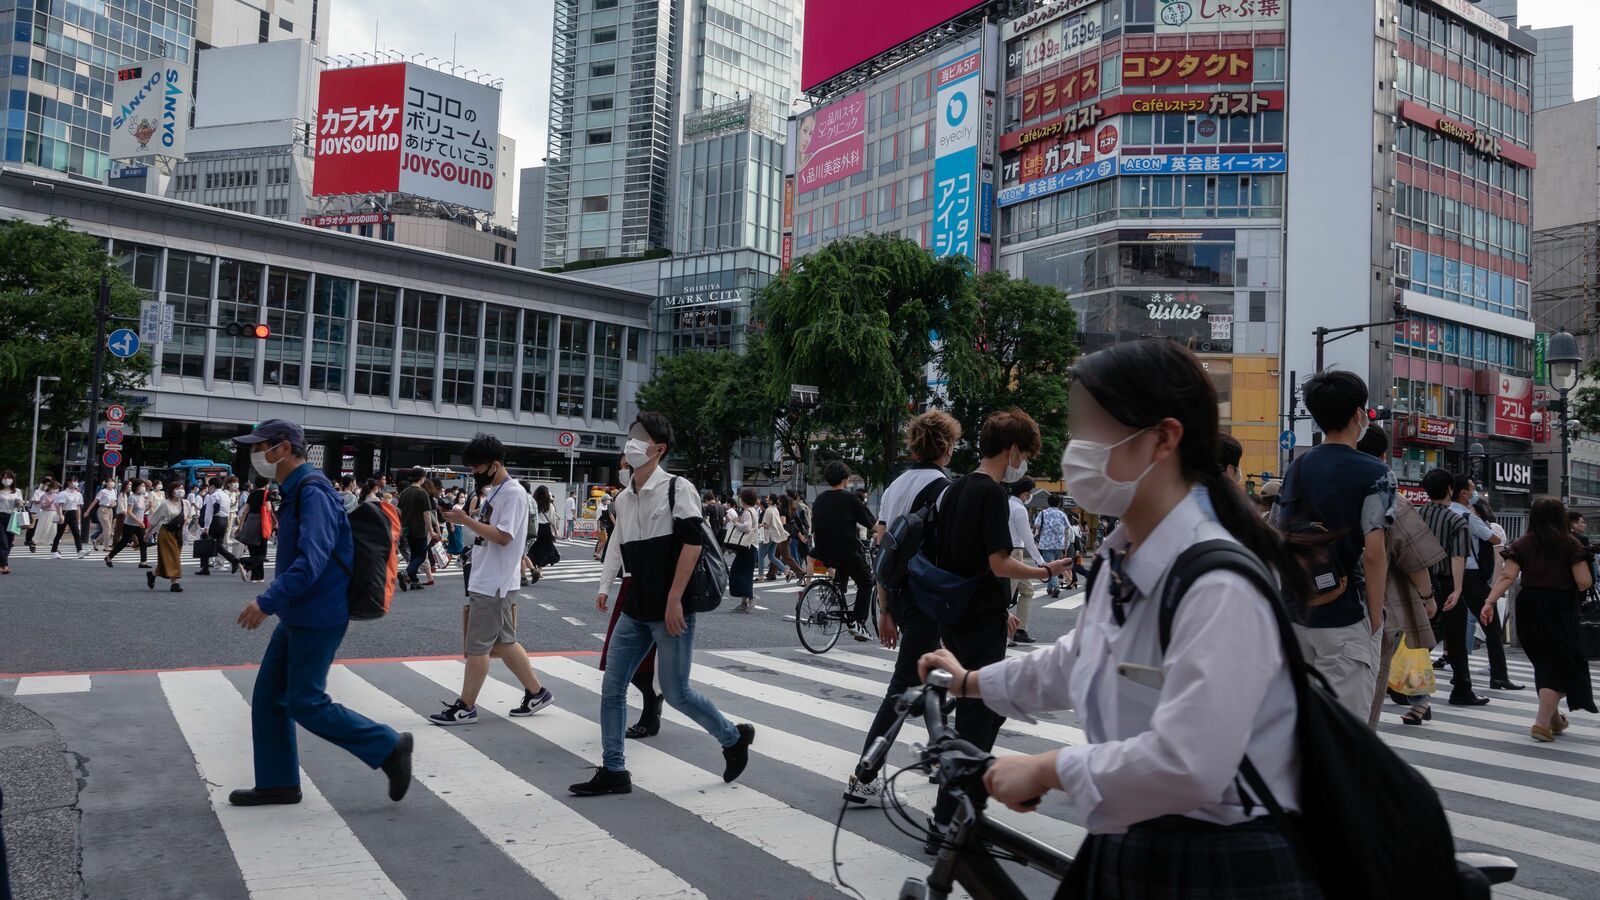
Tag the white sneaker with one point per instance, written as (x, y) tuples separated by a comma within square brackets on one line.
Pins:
[(872, 793), (55, 556), (83, 554)]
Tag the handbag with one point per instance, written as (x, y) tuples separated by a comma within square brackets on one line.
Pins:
[(738, 537), (709, 582), (1411, 671), (205, 547)]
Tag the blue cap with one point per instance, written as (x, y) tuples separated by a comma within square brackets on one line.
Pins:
[(276, 431)]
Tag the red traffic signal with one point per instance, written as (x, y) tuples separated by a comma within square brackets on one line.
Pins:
[(241, 329), (260, 331)]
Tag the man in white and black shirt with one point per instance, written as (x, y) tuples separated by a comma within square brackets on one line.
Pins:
[(658, 533), (216, 510)]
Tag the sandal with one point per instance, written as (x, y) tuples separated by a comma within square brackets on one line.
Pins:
[(1559, 724), (1417, 718)]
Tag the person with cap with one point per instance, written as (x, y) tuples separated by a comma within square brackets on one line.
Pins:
[(1267, 497), (308, 595)]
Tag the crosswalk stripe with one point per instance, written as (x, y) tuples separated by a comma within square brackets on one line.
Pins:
[(52, 684), (287, 851), (1504, 737), (548, 840), (1530, 841), (788, 834), (824, 759), (1577, 728), (1525, 762)]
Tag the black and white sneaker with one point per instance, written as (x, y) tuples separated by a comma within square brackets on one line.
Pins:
[(456, 713), (872, 793), (532, 703)]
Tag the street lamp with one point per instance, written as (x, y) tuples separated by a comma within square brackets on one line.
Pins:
[(1476, 455), (1563, 359), (33, 456)]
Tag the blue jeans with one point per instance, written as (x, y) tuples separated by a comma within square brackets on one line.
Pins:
[(417, 545), (630, 641), (1049, 557), (292, 687), (766, 558)]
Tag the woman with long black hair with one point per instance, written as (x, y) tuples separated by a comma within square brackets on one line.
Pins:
[(543, 552), (1155, 783), (1554, 568), (254, 532)]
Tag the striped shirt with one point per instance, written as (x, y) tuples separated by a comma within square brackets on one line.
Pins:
[(1451, 530)]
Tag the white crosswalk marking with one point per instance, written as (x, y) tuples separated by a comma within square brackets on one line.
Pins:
[(502, 783)]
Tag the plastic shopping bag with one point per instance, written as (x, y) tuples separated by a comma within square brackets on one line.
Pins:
[(1411, 671)]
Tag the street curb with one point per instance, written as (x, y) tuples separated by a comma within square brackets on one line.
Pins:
[(40, 814)]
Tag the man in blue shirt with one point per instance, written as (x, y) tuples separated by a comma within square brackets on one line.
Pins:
[(308, 595)]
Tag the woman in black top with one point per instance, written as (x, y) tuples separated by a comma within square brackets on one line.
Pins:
[(248, 531), (1555, 570), (543, 553)]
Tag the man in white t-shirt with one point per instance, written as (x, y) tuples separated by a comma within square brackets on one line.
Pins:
[(572, 513), (494, 575)]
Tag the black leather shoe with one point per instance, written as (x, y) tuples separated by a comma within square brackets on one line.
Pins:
[(265, 796), (1469, 700), (398, 767), (1507, 686), (1440, 663), (738, 756), (604, 781)]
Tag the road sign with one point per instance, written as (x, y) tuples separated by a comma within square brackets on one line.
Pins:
[(1286, 440), (566, 439), (114, 436), (150, 322), (116, 413), (112, 458), (122, 343), (169, 317)]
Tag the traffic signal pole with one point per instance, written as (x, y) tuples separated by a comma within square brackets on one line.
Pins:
[(102, 312)]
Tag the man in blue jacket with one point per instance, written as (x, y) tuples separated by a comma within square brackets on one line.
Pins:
[(307, 595)]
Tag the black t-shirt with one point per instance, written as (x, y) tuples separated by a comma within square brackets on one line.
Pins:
[(834, 517), (1350, 493), (974, 522)]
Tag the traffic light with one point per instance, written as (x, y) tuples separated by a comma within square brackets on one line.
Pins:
[(1379, 414), (259, 331)]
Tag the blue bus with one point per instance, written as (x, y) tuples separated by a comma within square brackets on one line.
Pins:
[(191, 472)]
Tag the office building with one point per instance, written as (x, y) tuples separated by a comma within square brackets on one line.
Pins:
[(1552, 65), (530, 217), (227, 23)]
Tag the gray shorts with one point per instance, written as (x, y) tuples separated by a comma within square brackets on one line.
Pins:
[(490, 621)]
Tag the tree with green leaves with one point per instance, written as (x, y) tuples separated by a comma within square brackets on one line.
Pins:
[(1585, 403), (713, 402), (1020, 359), (863, 318), (49, 290)]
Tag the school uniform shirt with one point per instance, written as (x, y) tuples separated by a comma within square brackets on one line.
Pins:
[(1477, 528), (497, 569), (1153, 751), (1022, 532), (649, 531)]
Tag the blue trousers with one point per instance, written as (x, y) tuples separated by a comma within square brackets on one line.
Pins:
[(1051, 555), (630, 642), (292, 688)]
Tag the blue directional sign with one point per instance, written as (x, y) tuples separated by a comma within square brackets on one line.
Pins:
[(122, 343), (1286, 440)]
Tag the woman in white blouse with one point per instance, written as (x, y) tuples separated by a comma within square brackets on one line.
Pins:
[(1155, 783)]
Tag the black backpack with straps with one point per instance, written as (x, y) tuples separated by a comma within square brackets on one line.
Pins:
[(1369, 824)]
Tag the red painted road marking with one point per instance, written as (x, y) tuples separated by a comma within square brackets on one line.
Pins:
[(337, 662)]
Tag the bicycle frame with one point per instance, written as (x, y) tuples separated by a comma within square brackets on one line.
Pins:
[(969, 861)]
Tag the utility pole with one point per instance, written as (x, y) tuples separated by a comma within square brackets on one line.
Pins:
[(102, 312)]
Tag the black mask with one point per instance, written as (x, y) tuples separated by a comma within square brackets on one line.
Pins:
[(479, 482)]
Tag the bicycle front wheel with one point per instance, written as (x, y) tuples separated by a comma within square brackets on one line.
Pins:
[(817, 619)]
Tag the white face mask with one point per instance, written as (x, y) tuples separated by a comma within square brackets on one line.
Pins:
[(5, 481), (625, 475), (637, 453), (258, 461), (1083, 468), (1015, 473), (138, 490), (178, 493)]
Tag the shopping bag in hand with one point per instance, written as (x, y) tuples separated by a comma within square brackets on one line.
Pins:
[(1411, 671)]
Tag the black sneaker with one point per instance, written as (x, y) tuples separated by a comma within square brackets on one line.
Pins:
[(265, 796), (398, 767), (738, 756), (604, 782), (532, 703), (1022, 637), (1506, 685), (456, 713)]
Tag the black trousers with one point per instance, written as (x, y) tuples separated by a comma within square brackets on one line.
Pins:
[(1475, 593), (854, 568), (71, 521), (918, 635), (132, 536), (977, 642), (218, 532), (1452, 625), (257, 563)]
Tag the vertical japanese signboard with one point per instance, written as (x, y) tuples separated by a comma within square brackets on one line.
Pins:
[(1541, 346), (959, 109), (150, 110), (358, 130)]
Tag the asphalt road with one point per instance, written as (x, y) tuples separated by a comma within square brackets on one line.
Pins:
[(72, 615)]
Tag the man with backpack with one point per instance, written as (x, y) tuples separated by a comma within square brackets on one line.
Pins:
[(310, 597), (659, 536), (1450, 581), (499, 534), (1335, 506)]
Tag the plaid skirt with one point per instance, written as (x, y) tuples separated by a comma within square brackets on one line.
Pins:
[(1177, 858)]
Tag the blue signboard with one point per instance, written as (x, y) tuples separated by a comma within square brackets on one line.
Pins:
[(122, 343), (1061, 181), (986, 210), (1204, 163), (1286, 440), (955, 165)]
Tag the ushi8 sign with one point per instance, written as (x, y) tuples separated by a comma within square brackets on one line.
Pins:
[(405, 128), (955, 164)]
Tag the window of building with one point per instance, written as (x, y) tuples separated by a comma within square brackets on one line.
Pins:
[(597, 104), (572, 378), (459, 375), (600, 137), (602, 69), (285, 24), (603, 36), (499, 355), (238, 300), (189, 289), (537, 330), (286, 315), (330, 332), (499, 253), (605, 4), (1258, 306), (596, 204), (633, 344), (607, 371), (375, 334), (419, 345)]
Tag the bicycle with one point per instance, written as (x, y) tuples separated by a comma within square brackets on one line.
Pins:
[(971, 853), (824, 608)]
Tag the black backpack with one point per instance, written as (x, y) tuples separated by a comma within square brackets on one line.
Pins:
[(904, 537), (1369, 824), (709, 583), (375, 564)]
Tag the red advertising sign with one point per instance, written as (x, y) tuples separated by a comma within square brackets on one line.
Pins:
[(1188, 67), (1513, 404), (831, 143), (845, 33), (338, 220), (359, 117), (1058, 93), (1479, 141), (1431, 430), (787, 259), (1217, 103), (1413, 492)]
